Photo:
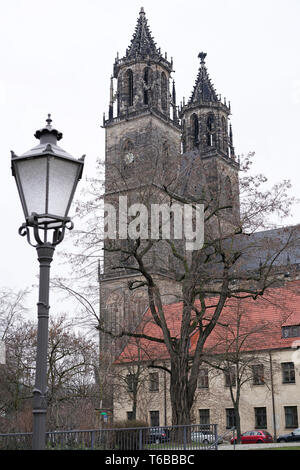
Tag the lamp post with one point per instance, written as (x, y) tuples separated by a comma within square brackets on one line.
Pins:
[(46, 178)]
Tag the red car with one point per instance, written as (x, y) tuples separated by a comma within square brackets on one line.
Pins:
[(254, 437)]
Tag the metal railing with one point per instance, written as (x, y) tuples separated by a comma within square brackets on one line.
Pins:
[(186, 437)]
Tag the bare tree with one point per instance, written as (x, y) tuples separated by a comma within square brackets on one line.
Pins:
[(240, 258), (238, 349), (71, 383)]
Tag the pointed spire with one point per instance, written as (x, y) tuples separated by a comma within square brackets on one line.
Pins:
[(231, 147), (175, 115), (142, 43), (203, 88)]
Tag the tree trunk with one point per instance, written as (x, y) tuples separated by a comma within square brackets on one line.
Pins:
[(179, 392), (237, 421)]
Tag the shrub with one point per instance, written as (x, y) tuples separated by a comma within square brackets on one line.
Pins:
[(128, 436)]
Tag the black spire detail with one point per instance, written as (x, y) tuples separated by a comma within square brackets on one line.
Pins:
[(203, 88), (142, 43)]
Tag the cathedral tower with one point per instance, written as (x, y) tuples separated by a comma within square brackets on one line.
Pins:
[(147, 145), (207, 133), (143, 143)]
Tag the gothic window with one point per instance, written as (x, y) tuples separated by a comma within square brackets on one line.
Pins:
[(224, 135), (147, 84), (195, 130), (164, 92), (210, 131), (129, 86)]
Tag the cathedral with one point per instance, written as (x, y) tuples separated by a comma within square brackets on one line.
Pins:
[(150, 140), (155, 148)]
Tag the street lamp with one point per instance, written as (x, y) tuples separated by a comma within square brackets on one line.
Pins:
[(46, 178)]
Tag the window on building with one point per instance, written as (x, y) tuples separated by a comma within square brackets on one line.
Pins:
[(154, 418), (129, 87), (260, 417), (224, 135), (204, 417), (291, 416), (258, 374), (291, 331), (230, 418), (210, 134), (288, 372), (147, 84), (131, 382), (164, 92), (203, 378), (129, 415), (230, 377), (154, 382), (195, 130)]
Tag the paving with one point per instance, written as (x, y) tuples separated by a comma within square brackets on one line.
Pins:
[(258, 446)]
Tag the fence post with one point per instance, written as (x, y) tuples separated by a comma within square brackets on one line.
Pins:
[(184, 438), (216, 436), (140, 439), (92, 440)]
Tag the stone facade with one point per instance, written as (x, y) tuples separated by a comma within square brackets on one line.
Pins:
[(275, 401)]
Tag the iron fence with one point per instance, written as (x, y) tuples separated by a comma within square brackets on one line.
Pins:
[(186, 437)]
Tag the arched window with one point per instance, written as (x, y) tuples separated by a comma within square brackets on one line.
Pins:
[(195, 130), (224, 135), (164, 92), (147, 84), (210, 134), (129, 86)]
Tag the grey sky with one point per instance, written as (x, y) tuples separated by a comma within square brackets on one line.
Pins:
[(57, 57)]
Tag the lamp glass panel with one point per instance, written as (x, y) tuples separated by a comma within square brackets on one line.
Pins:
[(62, 178), (33, 178)]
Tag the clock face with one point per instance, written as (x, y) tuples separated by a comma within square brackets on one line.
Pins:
[(129, 157)]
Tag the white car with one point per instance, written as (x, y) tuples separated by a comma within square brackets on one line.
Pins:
[(205, 437)]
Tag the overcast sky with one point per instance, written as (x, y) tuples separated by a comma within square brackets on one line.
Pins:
[(57, 57)]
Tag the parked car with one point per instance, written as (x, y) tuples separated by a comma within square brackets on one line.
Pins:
[(254, 437), (205, 437), (290, 437), (158, 435)]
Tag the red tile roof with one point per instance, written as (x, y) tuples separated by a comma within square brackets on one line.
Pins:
[(260, 328)]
